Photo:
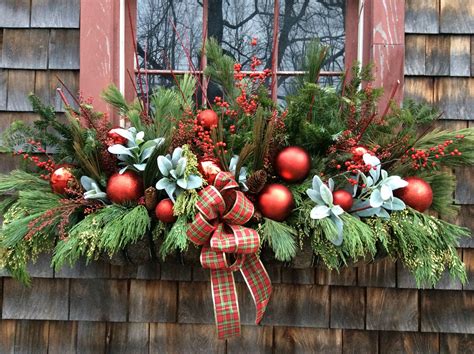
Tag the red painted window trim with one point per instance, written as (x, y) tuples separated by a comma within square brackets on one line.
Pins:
[(384, 43)]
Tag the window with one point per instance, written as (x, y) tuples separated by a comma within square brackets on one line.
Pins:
[(107, 40), (170, 35)]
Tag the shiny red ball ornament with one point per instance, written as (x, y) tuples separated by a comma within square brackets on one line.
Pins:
[(293, 164), (276, 202), (164, 211), (126, 187), (343, 199), (209, 169), (358, 152), (61, 178), (417, 194), (208, 118), (116, 138)]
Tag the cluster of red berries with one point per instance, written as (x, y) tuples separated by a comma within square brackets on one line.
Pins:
[(219, 102), (37, 150), (247, 104), (427, 158)]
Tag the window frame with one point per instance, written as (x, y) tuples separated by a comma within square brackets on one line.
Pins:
[(374, 34)]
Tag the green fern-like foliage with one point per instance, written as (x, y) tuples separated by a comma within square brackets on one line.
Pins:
[(281, 238), (108, 230)]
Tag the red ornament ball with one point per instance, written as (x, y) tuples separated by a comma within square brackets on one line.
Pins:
[(125, 187), (293, 164), (116, 138), (208, 118), (164, 211), (343, 199), (417, 194), (209, 169), (358, 152), (61, 178), (276, 202)]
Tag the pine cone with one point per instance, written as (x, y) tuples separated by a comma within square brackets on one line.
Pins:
[(257, 181), (151, 198)]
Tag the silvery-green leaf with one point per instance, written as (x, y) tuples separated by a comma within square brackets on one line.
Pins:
[(315, 196), (233, 163), (182, 182), (181, 166), (174, 174), (368, 212), (170, 190), (317, 183), (140, 166), (194, 182), (384, 174), (395, 182), (177, 153), (386, 192), (376, 199), (369, 182), (326, 194), (337, 210), (118, 149), (331, 184), (163, 183), (164, 165), (340, 227), (320, 212), (394, 204), (95, 195), (382, 213), (147, 153), (86, 183), (371, 160), (244, 187), (124, 133), (123, 170), (139, 137)]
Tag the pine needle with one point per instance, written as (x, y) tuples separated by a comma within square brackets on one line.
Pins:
[(176, 239), (281, 238)]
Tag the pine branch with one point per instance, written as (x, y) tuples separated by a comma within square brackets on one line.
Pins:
[(281, 238)]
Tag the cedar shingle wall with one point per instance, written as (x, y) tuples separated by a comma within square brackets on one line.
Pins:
[(168, 308)]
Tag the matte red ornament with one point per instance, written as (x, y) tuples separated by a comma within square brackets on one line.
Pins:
[(208, 118), (116, 138), (164, 211), (418, 194), (358, 152), (293, 164), (276, 202), (209, 169), (343, 199), (126, 187), (61, 178)]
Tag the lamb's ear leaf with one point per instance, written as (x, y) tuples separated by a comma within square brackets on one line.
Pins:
[(376, 199), (326, 194), (164, 165), (118, 149), (320, 212)]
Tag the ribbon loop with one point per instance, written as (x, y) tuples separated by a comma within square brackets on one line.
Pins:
[(218, 228)]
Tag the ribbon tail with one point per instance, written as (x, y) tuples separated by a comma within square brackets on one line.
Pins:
[(226, 305), (258, 282)]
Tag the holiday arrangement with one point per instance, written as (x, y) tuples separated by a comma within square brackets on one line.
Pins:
[(238, 174)]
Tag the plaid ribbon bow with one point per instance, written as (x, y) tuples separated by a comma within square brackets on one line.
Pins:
[(223, 209)]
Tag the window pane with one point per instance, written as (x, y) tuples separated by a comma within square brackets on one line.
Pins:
[(241, 22), (166, 47)]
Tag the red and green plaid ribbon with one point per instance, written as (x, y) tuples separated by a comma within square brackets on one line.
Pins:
[(218, 228)]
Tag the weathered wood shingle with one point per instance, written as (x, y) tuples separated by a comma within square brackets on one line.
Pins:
[(460, 56), (392, 309), (55, 13), (45, 299), (456, 16), (447, 311), (25, 48), (64, 49), (98, 300), (15, 13), (422, 16)]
